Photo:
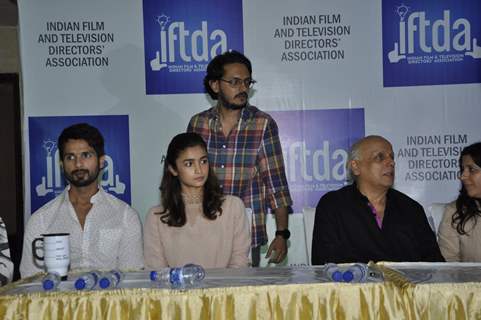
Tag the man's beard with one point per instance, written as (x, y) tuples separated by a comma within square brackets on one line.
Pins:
[(232, 106), (82, 182)]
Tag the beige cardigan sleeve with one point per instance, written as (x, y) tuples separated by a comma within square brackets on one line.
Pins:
[(153, 250), (242, 237), (448, 236)]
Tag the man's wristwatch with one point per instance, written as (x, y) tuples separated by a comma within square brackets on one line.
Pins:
[(286, 234)]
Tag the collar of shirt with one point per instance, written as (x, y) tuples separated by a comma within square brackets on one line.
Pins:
[(95, 198), (363, 198), (246, 113)]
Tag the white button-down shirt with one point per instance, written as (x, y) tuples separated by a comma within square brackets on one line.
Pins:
[(111, 238)]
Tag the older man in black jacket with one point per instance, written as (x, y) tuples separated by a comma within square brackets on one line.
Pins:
[(369, 220)]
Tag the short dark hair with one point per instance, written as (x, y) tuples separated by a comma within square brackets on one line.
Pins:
[(81, 131), (173, 213), (215, 69)]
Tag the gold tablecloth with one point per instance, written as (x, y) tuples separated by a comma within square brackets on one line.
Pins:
[(444, 301), (326, 300)]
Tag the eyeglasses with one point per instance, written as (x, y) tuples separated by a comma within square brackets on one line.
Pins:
[(236, 82)]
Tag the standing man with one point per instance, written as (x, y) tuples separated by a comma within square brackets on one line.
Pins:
[(369, 220), (105, 232), (245, 151)]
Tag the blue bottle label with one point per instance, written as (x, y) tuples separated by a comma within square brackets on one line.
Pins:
[(176, 276)]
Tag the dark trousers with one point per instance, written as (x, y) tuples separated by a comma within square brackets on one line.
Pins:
[(256, 256)]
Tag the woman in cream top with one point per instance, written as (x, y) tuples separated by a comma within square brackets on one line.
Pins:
[(195, 223), (460, 229)]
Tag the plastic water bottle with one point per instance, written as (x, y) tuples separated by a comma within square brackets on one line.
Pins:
[(51, 281), (357, 272), (333, 272), (185, 277), (86, 281), (110, 279)]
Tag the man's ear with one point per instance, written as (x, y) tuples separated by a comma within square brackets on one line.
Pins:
[(172, 171), (214, 85), (102, 162), (355, 167)]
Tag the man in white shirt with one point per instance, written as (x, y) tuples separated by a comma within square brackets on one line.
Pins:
[(105, 232)]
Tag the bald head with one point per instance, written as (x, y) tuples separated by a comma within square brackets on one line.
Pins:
[(357, 146), (367, 151)]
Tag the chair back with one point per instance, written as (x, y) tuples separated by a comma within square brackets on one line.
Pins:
[(435, 215), (309, 215)]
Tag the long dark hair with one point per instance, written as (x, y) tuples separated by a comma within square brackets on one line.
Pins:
[(170, 187), (466, 206)]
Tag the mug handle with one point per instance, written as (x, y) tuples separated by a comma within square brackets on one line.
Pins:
[(35, 248)]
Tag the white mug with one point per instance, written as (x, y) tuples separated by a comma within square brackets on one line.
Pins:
[(56, 252)]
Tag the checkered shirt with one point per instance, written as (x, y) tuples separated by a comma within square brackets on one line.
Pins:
[(248, 163)]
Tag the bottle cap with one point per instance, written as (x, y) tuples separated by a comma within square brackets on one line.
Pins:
[(48, 284), (337, 276), (80, 284), (104, 283), (154, 275), (348, 276)]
